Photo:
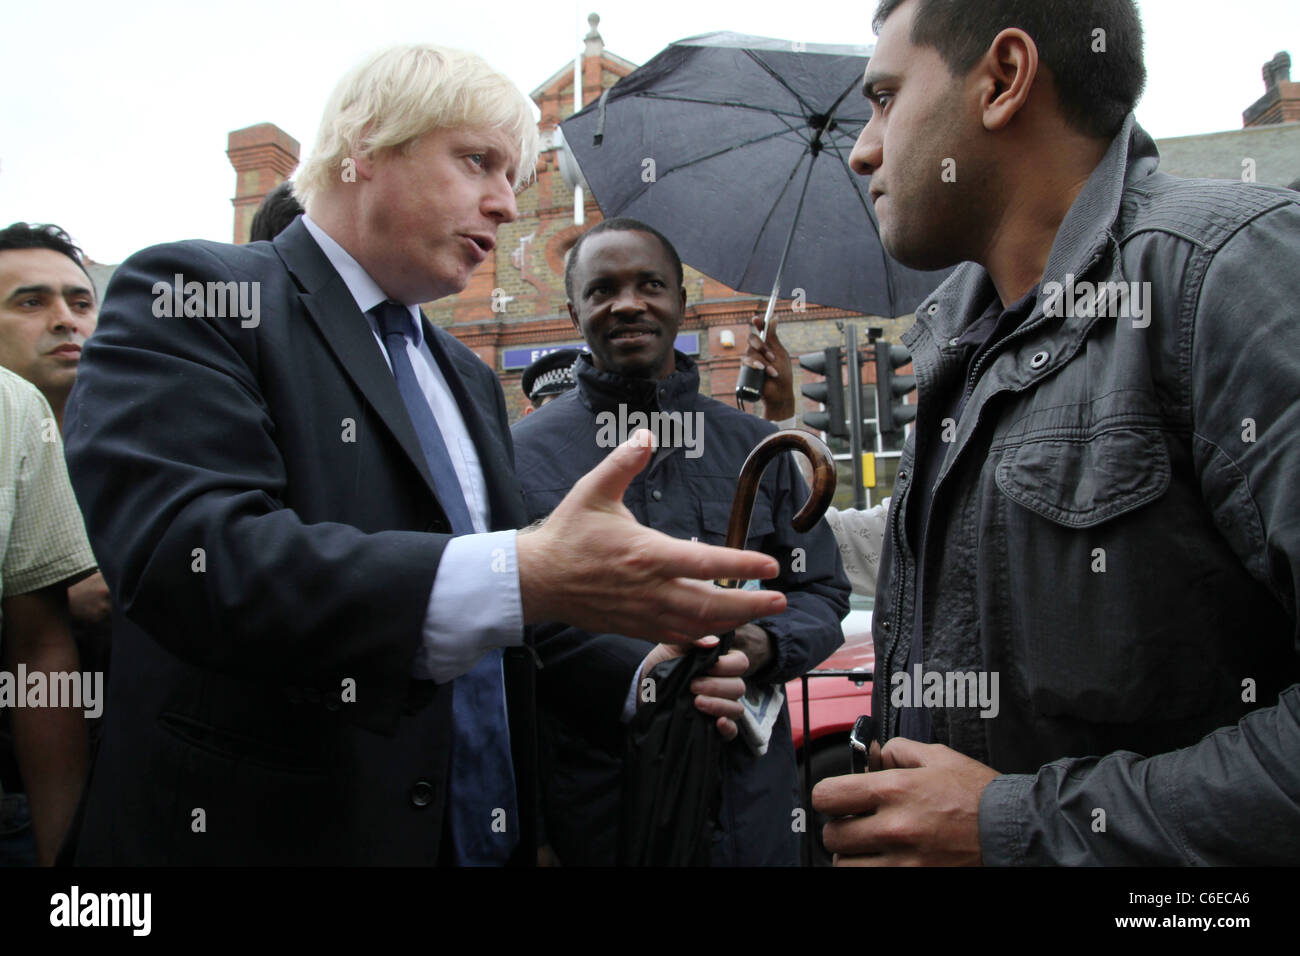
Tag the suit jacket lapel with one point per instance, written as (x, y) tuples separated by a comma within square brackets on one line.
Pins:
[(326, 299), (468, 384)]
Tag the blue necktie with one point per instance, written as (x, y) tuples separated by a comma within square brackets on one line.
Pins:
[(483, 816)]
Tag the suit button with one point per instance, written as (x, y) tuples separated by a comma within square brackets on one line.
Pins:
[(657, 495), (421, 793), (1039, 360)]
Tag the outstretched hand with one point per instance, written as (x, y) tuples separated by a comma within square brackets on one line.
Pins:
[(592, 565)]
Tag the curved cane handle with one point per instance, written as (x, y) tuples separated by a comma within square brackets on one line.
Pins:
[(823, 485)]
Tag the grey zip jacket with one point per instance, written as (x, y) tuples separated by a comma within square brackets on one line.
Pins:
[(1114, 543)]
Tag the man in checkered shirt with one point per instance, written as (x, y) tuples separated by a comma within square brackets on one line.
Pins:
[(43, 549)]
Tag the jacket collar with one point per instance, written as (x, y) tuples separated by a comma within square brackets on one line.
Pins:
[(1082, 240), (330, 304), (605, 391)]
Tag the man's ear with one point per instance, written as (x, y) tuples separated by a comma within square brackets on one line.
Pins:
[(683, 291), (1008, 72), (363, 159), (573, 317), (365, 163)]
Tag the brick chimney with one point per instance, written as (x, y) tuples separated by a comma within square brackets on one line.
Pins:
[(263, 156), (1281, 100)]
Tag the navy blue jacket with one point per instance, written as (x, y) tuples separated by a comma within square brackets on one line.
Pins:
[(584, 682), (282, 449)]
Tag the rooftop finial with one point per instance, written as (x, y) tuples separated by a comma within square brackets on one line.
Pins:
[(595, 45)]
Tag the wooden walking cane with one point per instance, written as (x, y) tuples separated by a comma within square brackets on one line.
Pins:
[(673, 766), (742, 505)]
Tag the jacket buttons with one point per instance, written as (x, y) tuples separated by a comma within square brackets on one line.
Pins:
[(884, 625), (1039, 360), (657, 495), (902, 477), (934, 307), (421, 793), (954, 341)]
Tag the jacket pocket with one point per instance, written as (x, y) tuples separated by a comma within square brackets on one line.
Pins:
[(1080, 483), (261, 752), (716, 515), (1086, 620)]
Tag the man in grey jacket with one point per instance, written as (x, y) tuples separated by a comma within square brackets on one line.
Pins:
[(1098, 514)]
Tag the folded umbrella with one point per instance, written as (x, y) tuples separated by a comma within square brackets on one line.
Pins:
[(673, 766)]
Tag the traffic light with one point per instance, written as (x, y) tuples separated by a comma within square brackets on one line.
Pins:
[(830, 363), (889, 387)]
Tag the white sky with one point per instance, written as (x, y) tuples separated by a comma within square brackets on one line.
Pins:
[(114, 116)]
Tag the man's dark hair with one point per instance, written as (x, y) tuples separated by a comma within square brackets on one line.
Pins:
[(619, 224), (273, 216), (23, 235), (1096, 90)]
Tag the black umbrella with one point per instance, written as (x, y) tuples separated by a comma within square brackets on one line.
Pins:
[(673, 768), (737, 148)]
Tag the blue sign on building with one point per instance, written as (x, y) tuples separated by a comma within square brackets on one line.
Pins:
[(513, 359)]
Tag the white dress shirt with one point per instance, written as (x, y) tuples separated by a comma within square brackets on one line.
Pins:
[(474, 603)]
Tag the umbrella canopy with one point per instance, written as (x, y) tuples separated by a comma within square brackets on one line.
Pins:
[(718, 140), (672, 774)]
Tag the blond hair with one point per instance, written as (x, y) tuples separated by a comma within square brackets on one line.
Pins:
[(403, 92)]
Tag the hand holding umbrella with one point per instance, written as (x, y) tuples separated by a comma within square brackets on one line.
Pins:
[(673, 769)]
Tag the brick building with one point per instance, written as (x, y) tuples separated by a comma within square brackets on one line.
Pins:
[(514, 306)]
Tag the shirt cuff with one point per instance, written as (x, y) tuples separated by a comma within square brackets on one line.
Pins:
[(629, 702), (1003, 808), (474, 606)]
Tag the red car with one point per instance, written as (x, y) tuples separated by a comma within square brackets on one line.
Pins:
[(834, 704)]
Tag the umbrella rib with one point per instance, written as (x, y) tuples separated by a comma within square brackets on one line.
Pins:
[(772, 211), (803, 105), (875, 224), (674, 98), (691, 162)]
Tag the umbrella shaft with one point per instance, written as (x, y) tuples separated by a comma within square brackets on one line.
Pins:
[(785, 253)]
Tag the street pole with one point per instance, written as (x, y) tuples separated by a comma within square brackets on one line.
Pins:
[(854, 371)]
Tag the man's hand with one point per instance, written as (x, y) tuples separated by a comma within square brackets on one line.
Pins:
[(718, 694), (50, 743), (590, 564), (921, 809), (773, 361), (88, 601), (756, 644)]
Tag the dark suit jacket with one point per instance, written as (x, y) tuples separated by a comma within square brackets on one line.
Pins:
[(268, 527)]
